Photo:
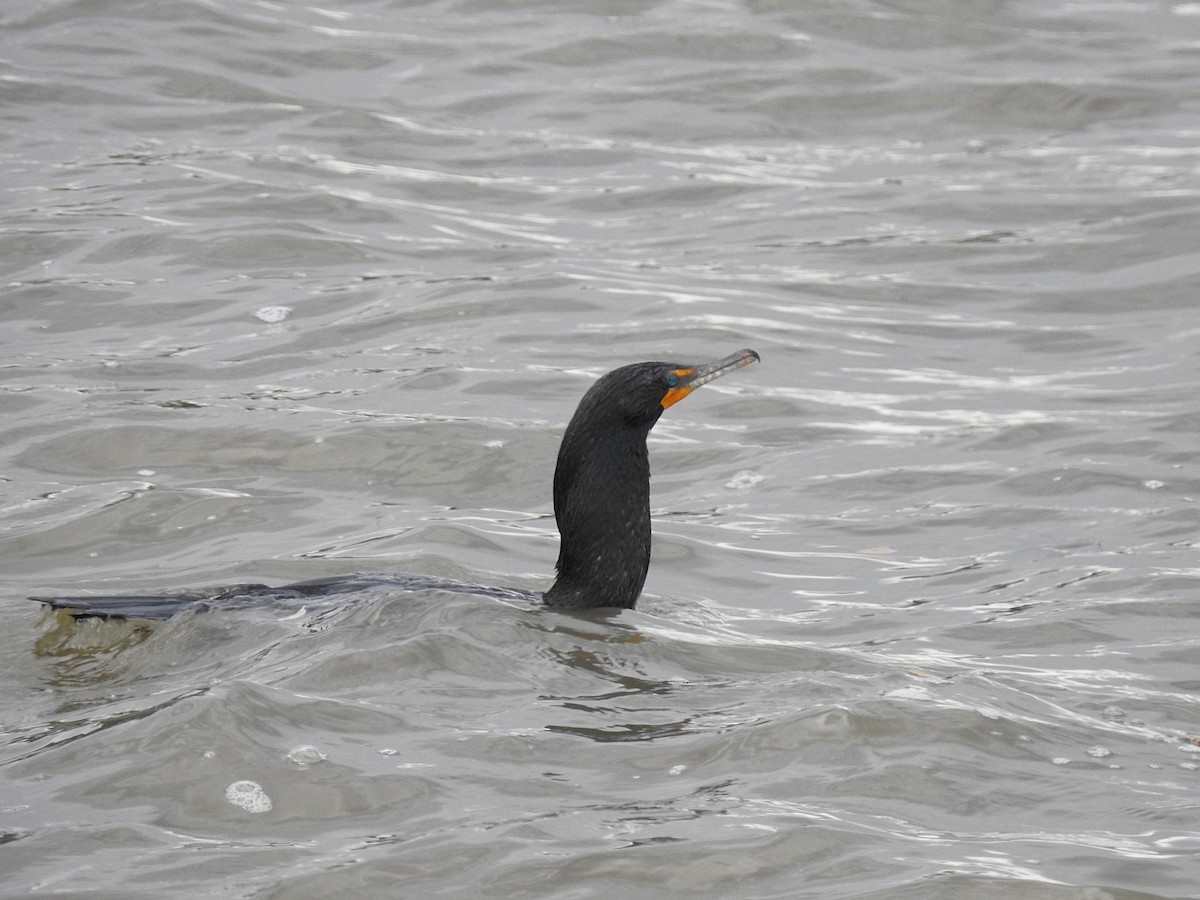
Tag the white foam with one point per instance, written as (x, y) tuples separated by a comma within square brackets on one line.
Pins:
[(273, 314), (248, 795)]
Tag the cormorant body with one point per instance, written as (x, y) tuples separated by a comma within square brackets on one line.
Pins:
[(601, 505)]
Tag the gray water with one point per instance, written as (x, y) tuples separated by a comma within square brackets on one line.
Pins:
[(292, 291)]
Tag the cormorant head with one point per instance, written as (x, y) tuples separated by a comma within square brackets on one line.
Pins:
[(639, 393)]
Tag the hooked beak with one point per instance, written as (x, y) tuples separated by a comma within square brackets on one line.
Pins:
[(688, 378)]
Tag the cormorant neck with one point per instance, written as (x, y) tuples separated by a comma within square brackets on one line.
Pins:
[(602, 506)]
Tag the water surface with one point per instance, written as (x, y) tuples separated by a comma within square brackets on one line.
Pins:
[(291, 291)]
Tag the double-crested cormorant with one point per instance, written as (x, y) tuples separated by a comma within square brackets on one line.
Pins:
[(601, 505)]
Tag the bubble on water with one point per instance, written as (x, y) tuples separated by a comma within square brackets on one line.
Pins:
[(273, 314), (1061, 760), (677, 770), (248, 795), (305, 755), (744, 479), (1154, 484), (1113, 713), (1099, 752)]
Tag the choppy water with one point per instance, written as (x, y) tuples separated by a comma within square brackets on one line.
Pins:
[(296, 290)]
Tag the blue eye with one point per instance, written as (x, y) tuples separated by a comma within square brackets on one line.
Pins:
[(672, 380)]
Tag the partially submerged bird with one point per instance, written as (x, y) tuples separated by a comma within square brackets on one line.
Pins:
[(601, 505)]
